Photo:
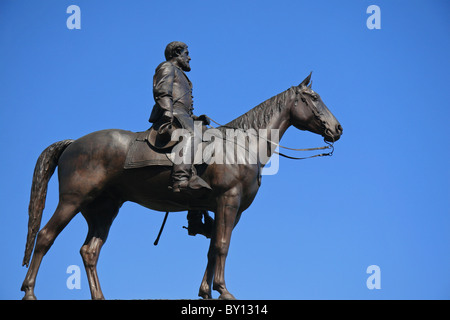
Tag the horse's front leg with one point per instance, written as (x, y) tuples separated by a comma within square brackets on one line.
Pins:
[(206, 286), (225, 217)]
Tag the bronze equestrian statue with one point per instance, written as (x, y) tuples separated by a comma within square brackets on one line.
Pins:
[(93, 180)]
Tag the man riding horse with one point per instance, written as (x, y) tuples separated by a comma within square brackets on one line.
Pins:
[(172, 91)]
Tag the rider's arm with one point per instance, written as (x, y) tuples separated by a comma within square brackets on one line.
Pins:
[(162, 88)]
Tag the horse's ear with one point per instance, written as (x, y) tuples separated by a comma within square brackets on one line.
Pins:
[(306, 81)]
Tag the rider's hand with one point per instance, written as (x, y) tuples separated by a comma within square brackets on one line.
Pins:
[(203, 118)]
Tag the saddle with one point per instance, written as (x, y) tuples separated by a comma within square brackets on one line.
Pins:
[(159, 135)]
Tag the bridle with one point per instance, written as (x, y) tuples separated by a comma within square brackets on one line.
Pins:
[(317, 114)]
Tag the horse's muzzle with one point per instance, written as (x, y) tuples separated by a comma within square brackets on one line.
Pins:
[(333, 135)]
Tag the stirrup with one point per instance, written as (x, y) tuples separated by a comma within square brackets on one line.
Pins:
[(180, 186)]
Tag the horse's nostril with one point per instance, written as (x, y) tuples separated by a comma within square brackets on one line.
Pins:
[(339, 129)]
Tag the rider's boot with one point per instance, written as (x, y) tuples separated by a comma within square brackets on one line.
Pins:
[(180, 177), (197, 226)]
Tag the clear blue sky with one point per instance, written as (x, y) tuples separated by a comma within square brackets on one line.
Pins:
[(315, 226)]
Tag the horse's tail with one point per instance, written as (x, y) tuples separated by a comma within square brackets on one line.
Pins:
[(44, 169)]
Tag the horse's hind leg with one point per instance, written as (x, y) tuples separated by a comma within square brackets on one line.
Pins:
[(99, 216), (64, 212)]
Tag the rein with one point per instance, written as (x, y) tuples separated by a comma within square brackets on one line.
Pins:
[(330, 146), (329, 154)]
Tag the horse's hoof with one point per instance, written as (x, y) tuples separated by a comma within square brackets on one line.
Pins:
[(226, 296), (29, 297), (205, 295)]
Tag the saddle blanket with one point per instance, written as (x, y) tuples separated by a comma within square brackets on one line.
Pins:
[(141, 154)]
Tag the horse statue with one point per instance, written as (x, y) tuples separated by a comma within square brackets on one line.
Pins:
[(93, 181)]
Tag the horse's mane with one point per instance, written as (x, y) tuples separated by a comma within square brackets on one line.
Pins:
[(259, 116)]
